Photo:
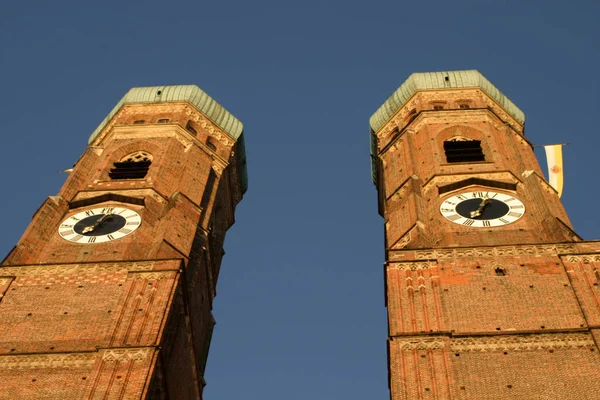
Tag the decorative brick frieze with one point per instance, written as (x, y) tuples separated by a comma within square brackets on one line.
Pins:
[(56, 361), (523, 342)]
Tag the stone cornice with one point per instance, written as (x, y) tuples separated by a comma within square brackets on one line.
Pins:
[(500, 176), (124, 267), (550, 249), (522, 343), (497, 343)]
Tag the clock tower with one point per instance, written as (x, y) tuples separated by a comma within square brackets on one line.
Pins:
[(108, 293), (490, 293)]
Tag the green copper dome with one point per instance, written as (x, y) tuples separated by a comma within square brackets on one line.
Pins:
[(441, 80), (203, 102)]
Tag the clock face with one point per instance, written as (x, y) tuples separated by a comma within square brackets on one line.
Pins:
[(98, 225), (482, 209)]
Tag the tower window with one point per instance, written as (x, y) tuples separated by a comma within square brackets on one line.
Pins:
[(133, 166), (138, 121), (211, 144), (411, 115), (464, 106), (463, 150), (163, 120), (438, 107), (500, 271), (191, 129)]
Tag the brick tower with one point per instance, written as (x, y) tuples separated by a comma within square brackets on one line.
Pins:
[(490, 293), (108, 293)]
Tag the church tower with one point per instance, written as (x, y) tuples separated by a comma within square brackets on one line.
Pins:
[(490, 293), (108, 293)]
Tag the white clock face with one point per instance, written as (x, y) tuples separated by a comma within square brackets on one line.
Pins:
[(99, 225), (482, 209)]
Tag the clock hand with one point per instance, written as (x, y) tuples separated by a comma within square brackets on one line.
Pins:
[(477, 213), (100, 221)]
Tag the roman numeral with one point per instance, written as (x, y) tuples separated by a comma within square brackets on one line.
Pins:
[(132, 223), (504, 221), (89, 213), (454, 217), (76, 219), (76, 238), (66, 226), (495, 194), (514, 214), (510, 199), (515, 207), (125, 231), (468, 222), (446, 210), (486, 223), (477, 194), (65, 233), (461, 197), (108, 210), (110, 237), (449, 202), (92, 239)]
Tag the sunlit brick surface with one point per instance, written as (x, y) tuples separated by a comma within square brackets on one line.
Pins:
[(129, 318), (509, 312)]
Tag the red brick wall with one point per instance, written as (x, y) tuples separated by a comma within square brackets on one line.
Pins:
[(130, 317), (457, 328)]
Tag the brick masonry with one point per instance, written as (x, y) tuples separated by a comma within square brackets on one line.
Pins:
[(129, 318), (458, 328)]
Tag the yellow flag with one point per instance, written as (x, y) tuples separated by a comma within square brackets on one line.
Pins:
[(555, 166)]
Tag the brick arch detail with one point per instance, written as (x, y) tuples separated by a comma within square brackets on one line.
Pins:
[(127, 149), (460, 130), (467, 132), (119, 153)]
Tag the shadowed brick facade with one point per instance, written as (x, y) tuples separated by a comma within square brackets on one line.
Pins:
[(129, 318), (507, 312)]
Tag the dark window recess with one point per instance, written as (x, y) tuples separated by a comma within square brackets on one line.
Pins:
[(463, 151), (191, 129), (211, 144), (138, 121), (411, 115), (163, 120), (438, 107), (129, 170), (500, 271), (464, 106), (476, 181)]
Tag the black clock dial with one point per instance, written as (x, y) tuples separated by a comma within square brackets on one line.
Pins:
[(492, 209), (103, 224)]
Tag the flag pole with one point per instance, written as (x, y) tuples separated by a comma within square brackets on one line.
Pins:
[(552, 144)]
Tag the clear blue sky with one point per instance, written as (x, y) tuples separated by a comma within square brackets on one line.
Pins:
[(300, 311)]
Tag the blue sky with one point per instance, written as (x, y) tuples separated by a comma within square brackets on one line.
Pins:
[(300, 310)]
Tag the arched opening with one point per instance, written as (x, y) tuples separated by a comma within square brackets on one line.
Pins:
[(132, 166), (462, 149)]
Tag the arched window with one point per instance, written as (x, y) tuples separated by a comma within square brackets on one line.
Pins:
[(211, 144), (462, 149), (132, 166), (190, 128)]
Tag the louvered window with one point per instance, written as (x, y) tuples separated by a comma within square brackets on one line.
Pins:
[(134, 166), (463, 151)]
